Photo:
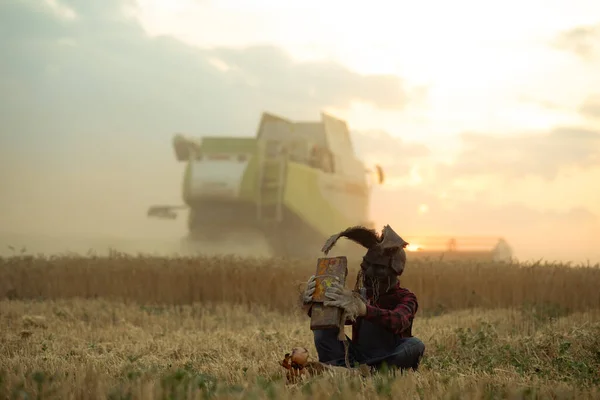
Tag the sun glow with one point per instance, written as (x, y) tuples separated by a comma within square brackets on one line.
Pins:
[(413, 247)]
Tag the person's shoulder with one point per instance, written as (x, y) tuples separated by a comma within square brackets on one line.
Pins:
[(407, 297), (404, 292)]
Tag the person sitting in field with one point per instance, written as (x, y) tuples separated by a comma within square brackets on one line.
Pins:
[(382, 310)]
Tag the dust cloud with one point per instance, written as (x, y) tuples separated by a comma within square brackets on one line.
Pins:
[(98, 208)]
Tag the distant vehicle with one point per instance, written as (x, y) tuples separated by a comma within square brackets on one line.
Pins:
[(294, 184), (474, 248)]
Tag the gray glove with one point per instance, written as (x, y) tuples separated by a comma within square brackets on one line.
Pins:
[(351, 302), (310, 290)]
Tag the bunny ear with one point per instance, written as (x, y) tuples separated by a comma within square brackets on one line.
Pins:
[(361, 235), (391, 240)]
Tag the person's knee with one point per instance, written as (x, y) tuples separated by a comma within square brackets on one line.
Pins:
[(417, 349), (417, 345), (409, 354)]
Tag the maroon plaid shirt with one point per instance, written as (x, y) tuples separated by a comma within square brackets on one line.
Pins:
[(394, 310)]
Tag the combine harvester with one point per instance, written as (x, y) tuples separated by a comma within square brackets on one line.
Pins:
[(291, 186)]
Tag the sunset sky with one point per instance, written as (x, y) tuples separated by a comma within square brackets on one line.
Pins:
[(465, 67), (486, 116)]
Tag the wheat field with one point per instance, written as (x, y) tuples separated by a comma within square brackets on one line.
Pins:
[(142, 327)]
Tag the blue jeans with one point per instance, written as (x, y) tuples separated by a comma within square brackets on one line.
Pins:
[(375, 348)]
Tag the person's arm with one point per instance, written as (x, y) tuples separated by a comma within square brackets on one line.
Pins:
[(398, 319)]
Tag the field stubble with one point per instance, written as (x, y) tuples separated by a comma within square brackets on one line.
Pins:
[(148, 327)]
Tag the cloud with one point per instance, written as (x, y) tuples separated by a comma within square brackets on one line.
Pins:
[(100, 73), (460, 216), (540, 102), (89, 103), (532, 233), (466, 199), (584, 41), (591, 107), (540, 155), (271, 71), (396, 156)]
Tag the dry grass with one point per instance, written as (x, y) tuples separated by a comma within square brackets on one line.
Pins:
[(97, 349), (195, 328), (274, 283)]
